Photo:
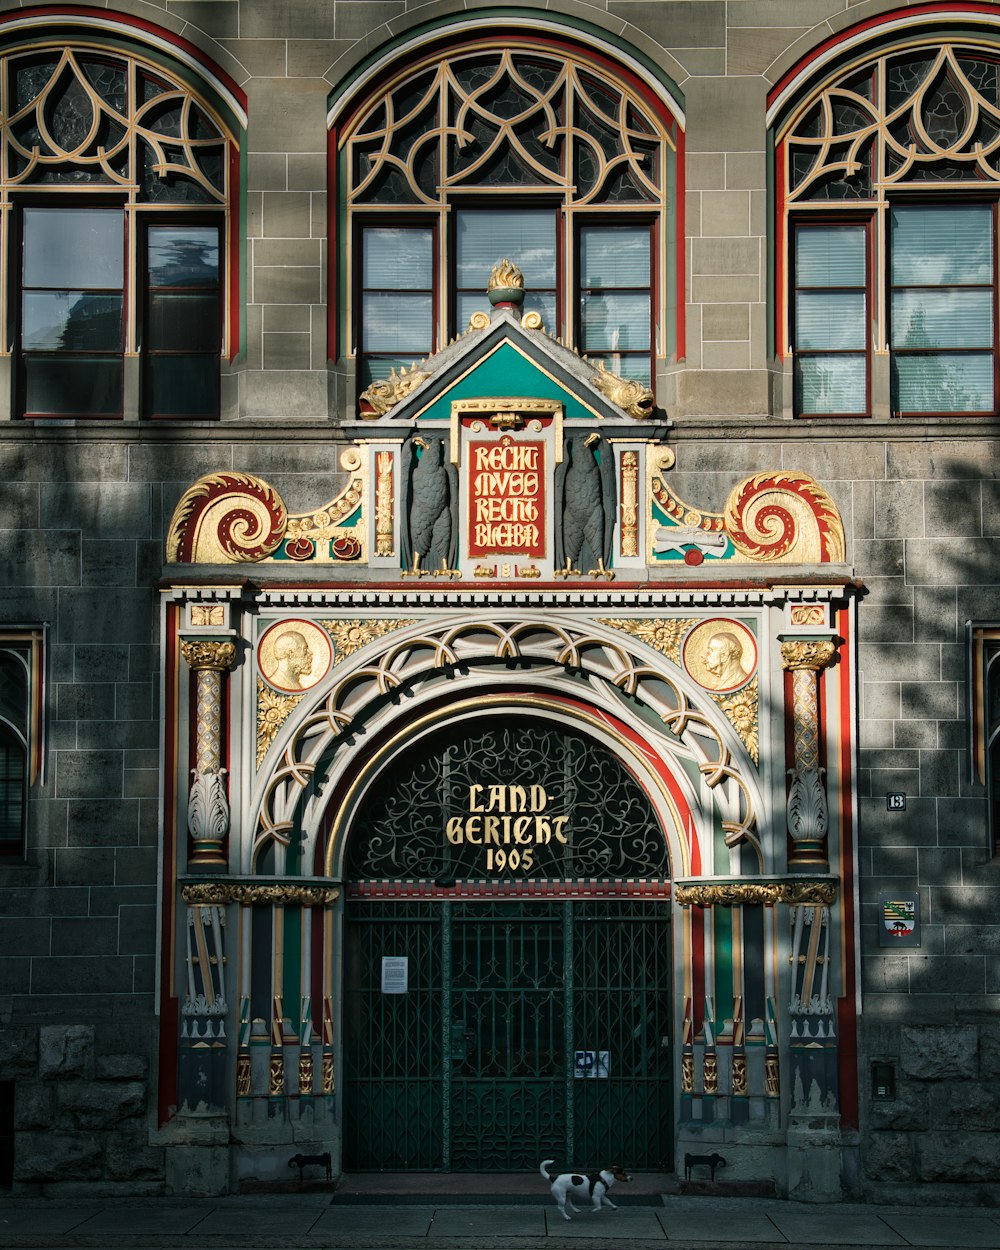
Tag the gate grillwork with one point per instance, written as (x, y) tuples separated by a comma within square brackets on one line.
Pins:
[(393, 1109), (482, 1064), (610, 827)]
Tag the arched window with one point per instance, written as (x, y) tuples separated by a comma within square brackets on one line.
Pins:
[(21, 709), (550, 155), (116, 180), (888, 178)]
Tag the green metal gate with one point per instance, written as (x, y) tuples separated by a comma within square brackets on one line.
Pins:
[(527, 1029)]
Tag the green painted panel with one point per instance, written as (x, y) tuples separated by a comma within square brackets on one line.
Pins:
[(507, 371), (291, 967), (723, 988)]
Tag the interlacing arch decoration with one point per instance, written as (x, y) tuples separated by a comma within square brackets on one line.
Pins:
[(452, 647), (909, 118), (507, 116), (82, 116)]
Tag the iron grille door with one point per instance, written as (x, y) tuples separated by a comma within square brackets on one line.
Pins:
[(528, 1030), (508, 1002), (622, 1106), (394, 1078)]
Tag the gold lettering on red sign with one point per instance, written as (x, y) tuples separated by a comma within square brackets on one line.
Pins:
[(507, 498)]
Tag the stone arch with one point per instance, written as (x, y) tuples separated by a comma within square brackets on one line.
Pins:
[(374, 696)]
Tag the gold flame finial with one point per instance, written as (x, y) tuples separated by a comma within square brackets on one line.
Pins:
[(505, 276)]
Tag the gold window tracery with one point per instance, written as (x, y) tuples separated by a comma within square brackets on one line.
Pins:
[(892, 147), (101, 143), (915, 118), (84, 117), (518, 124)]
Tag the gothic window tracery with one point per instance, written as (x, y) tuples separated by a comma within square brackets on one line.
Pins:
[(516, 146), (900, 152), (105, 151)]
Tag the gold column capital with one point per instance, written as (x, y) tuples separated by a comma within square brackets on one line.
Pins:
[(205, 654), (810, 655)]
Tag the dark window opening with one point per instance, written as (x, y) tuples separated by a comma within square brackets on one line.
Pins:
[(183, 326), (71, 327)]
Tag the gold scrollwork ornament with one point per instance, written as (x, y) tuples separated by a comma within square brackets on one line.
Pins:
[(305, 1072), (766, 894), (224, 892), (276, 1075)]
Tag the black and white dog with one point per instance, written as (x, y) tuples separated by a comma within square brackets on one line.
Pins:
[(593, 1187)]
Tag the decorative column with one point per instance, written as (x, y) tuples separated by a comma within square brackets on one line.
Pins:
[(208, 804), (808, 813)]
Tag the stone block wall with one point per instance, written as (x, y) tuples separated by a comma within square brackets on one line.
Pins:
[(83, 513)]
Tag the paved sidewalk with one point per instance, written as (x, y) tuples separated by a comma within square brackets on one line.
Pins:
[(312, 1219)]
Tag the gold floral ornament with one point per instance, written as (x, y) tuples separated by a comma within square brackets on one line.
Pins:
[(351, 636), (273, 710), (376, 400), (741, 710), (635, 398), (663, 635)]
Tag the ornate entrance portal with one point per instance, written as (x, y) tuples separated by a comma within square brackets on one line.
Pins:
[(518, 1007)]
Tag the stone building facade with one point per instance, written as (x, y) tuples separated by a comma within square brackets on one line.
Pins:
[(259, 389)]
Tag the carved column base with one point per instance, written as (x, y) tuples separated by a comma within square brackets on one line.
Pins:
[(208, 820)]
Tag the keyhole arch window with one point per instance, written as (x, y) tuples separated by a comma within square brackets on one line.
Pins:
[(545, 154), (118, 172), (887, 177)]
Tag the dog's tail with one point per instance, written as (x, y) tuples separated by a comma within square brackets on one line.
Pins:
[(546, 1175)]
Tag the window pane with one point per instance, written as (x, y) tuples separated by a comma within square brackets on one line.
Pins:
[(14, 692), (183, 322), (526, 238), (71, 321), (75, 248), (377, 368), (397, 260), (397, 322), (634, 368), (183, 386), (943, 383), (831, 320), (12, 774), (614, 256), (615, 322), (942, 245), (67, 386), (830, 256), (183, 256), (830, 384), (946, 318)]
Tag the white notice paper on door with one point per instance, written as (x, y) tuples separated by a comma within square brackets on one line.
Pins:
[(395, 974)]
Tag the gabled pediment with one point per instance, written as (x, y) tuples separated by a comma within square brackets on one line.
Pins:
[(501, 355)]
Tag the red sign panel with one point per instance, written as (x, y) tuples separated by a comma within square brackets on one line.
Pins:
[(507, 498)]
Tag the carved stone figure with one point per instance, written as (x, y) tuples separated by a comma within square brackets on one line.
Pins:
[(586, 512), (431, 503)]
